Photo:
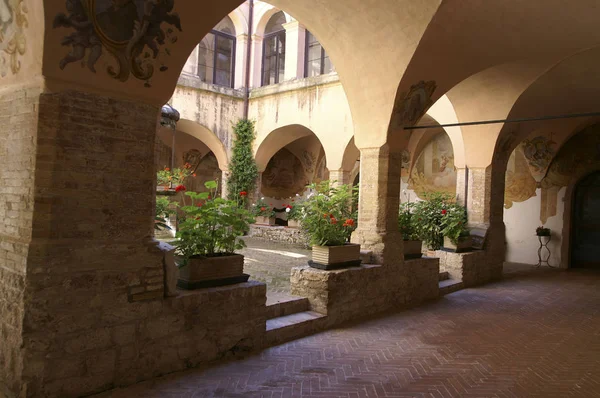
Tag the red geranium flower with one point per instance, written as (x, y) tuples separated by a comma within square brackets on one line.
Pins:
[(262, 209), (333, 220), (243, 193), (288, 206), (194, 175), (179, 188), (349, 223), (444, 212), (199, 205), (167, 169)]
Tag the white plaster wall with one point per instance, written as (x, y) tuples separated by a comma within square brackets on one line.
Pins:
[(521, 220)]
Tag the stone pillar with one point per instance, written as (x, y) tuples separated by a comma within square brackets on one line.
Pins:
[(256, 61), (479, 196), (378, 205), (295, 41), (461, 186), (339, 176), (241, 49), (77, 205), (224, 178)]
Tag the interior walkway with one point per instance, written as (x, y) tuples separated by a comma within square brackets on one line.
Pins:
[(535, 335)]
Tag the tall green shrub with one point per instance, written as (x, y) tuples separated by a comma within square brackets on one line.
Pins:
[(242, 168)]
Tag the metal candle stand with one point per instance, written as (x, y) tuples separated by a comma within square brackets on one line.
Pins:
[(544, 245)]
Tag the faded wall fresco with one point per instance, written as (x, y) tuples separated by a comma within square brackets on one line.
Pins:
[(520, 184), (136, 33), (434, 169), (284, 176), (13, 43)]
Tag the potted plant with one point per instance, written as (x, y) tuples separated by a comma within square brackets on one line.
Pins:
[(542, 231), (263, 213), (457, 236), (294, 215), (409, 229), (167, 180), (428, 219), (328, 221), (208, 238)]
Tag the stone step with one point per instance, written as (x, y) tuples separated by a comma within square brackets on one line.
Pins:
[(450, 286), (280, 304), (444, 276), (295, 326)]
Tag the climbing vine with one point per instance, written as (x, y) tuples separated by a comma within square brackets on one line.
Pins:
[(242, 167)]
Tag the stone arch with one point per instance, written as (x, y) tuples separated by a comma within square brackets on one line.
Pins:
[(351, 154), (208, 138), (290, 158), (267, 11), (239, 21), (278, 139)]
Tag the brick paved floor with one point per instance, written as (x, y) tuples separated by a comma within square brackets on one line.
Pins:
[(534, 335)]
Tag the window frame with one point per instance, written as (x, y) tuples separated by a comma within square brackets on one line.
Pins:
[(277, 56), (306, 51), (233, 39)]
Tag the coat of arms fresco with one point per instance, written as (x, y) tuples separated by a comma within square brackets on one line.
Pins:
[(137, 33), (13, 21)]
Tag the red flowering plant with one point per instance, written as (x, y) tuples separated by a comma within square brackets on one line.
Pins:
[(428, 217), (173, 178), (262, 209), (212, 225), (327, 213), (454, 222), (294, 209)]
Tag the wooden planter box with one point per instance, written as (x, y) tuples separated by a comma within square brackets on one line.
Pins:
[(464, 244), (334, 257), (412, 249), (260, 220), (293, 224), (203, 272)]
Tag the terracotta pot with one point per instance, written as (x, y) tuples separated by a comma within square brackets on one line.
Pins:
[(333, 257), (413, 249), (293, 224), (220, 270), (260, 220), (464, 244)]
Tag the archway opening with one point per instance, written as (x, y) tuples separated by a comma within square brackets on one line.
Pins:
[(585, 225), (291, 169)]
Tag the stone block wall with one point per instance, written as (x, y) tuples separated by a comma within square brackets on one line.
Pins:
[(149, 339), (351, 293), (471, 268), (279, 234), (18, 125), (423, 279)]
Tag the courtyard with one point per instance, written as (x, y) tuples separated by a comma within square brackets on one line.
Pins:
[(533, 334)]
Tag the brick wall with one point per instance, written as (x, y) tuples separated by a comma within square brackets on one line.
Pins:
[(18, 124)]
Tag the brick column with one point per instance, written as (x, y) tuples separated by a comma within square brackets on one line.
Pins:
[(76, 254), (340, 176), (378, 205)]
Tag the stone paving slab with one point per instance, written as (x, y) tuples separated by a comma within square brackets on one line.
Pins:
[(534, 334)]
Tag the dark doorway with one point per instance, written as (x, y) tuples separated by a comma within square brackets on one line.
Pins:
[(585, 243)]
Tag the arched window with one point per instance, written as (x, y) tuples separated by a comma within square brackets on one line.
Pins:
[(273, 65), (317, 61), (216, 55)]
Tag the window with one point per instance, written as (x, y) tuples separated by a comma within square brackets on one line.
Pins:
[(216, 55), (273, 65), (317, 61)]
